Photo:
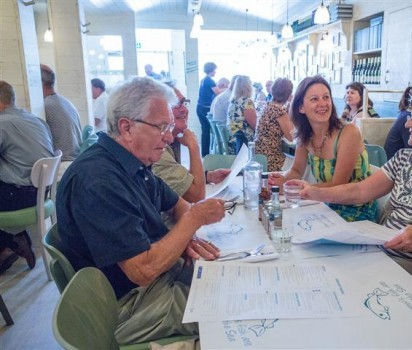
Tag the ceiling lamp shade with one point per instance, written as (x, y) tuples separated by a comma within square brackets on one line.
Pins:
[(287, 31), (198, 20), (322, 15), (48, 36)]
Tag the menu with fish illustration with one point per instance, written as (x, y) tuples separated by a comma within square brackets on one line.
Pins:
[(383, 297), (319, 223)]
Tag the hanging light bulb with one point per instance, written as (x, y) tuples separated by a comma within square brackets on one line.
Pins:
[(48, 36), (322, 15), (287, 31)]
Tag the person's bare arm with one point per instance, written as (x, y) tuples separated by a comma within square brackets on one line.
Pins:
[(144, 268), (197, 189), (296, 171), (286, 126), (373, 187), (250, 117)]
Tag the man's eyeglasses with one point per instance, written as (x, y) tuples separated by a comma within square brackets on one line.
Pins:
[(163, 128), (182, 102), (230, 206)]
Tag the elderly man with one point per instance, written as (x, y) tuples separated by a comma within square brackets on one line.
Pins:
[(62, 117), (109, 205), (99, 104), (189, 184), (24, 139), (268, 86)]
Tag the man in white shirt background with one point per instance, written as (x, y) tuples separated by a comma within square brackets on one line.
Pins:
[(99, 104)]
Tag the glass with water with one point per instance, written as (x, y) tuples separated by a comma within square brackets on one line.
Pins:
[(292, 194)]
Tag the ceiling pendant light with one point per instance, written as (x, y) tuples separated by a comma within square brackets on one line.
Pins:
[(48, 35), (198, 20), (322, 15), (287, 31)]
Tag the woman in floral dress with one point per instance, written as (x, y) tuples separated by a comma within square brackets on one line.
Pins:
[(274, 124)]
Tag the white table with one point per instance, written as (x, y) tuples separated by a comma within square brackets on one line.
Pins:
[(381, 283)]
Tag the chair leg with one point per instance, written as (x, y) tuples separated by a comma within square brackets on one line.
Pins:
[(5, 312), (41, 230)]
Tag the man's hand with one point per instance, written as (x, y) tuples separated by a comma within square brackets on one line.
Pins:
[(217, 176), (403, 241), (187, 138), (208, 211), (199, 248)]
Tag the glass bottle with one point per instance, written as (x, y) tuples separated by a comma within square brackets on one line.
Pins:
[(252, 173), (276, 217), (264, 194)]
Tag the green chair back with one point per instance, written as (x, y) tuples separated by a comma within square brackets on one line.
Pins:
[(60, 267), (225, 161), (86, 315), (214, 140), (224, 137), (376, 154)]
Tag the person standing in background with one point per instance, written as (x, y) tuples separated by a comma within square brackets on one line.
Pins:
[(148, 68), (398, 135), (207, 91), (61, 116), (99, 104)]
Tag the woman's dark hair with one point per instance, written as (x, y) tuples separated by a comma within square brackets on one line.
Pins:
[(209, 67), (281, 90), (300, 120), (359, 87), (406, 99)]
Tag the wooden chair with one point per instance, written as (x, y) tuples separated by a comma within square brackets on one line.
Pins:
[(86, 315), (43, 176)]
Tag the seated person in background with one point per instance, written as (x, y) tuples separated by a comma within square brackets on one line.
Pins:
[(335, 152), (395, 178), (354, 101), (268, 86), (24, 139), (148, 68), (220, 103), (99, 105), (274, 124), (62, 117), (259, 97), (189, 184), (241, 114), (398, 135), (109, 205)]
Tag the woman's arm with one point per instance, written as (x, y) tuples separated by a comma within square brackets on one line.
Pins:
[(286, 126), (296, 171), (350, 145), (250, 116)]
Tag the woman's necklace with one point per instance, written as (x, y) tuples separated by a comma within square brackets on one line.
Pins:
[(318, 149)]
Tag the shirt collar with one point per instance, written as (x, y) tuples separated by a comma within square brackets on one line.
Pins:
[(127, 160)]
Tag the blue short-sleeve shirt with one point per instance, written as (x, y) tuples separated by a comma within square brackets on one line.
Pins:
[(108, 209)]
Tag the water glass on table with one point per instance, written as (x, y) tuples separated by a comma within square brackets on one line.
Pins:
[(282, 238), (292, 194)]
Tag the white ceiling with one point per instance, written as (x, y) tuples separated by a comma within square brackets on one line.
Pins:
[(267, 10)]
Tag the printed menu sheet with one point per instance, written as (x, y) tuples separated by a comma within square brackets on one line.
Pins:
[(236, 291), (318, 223)]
